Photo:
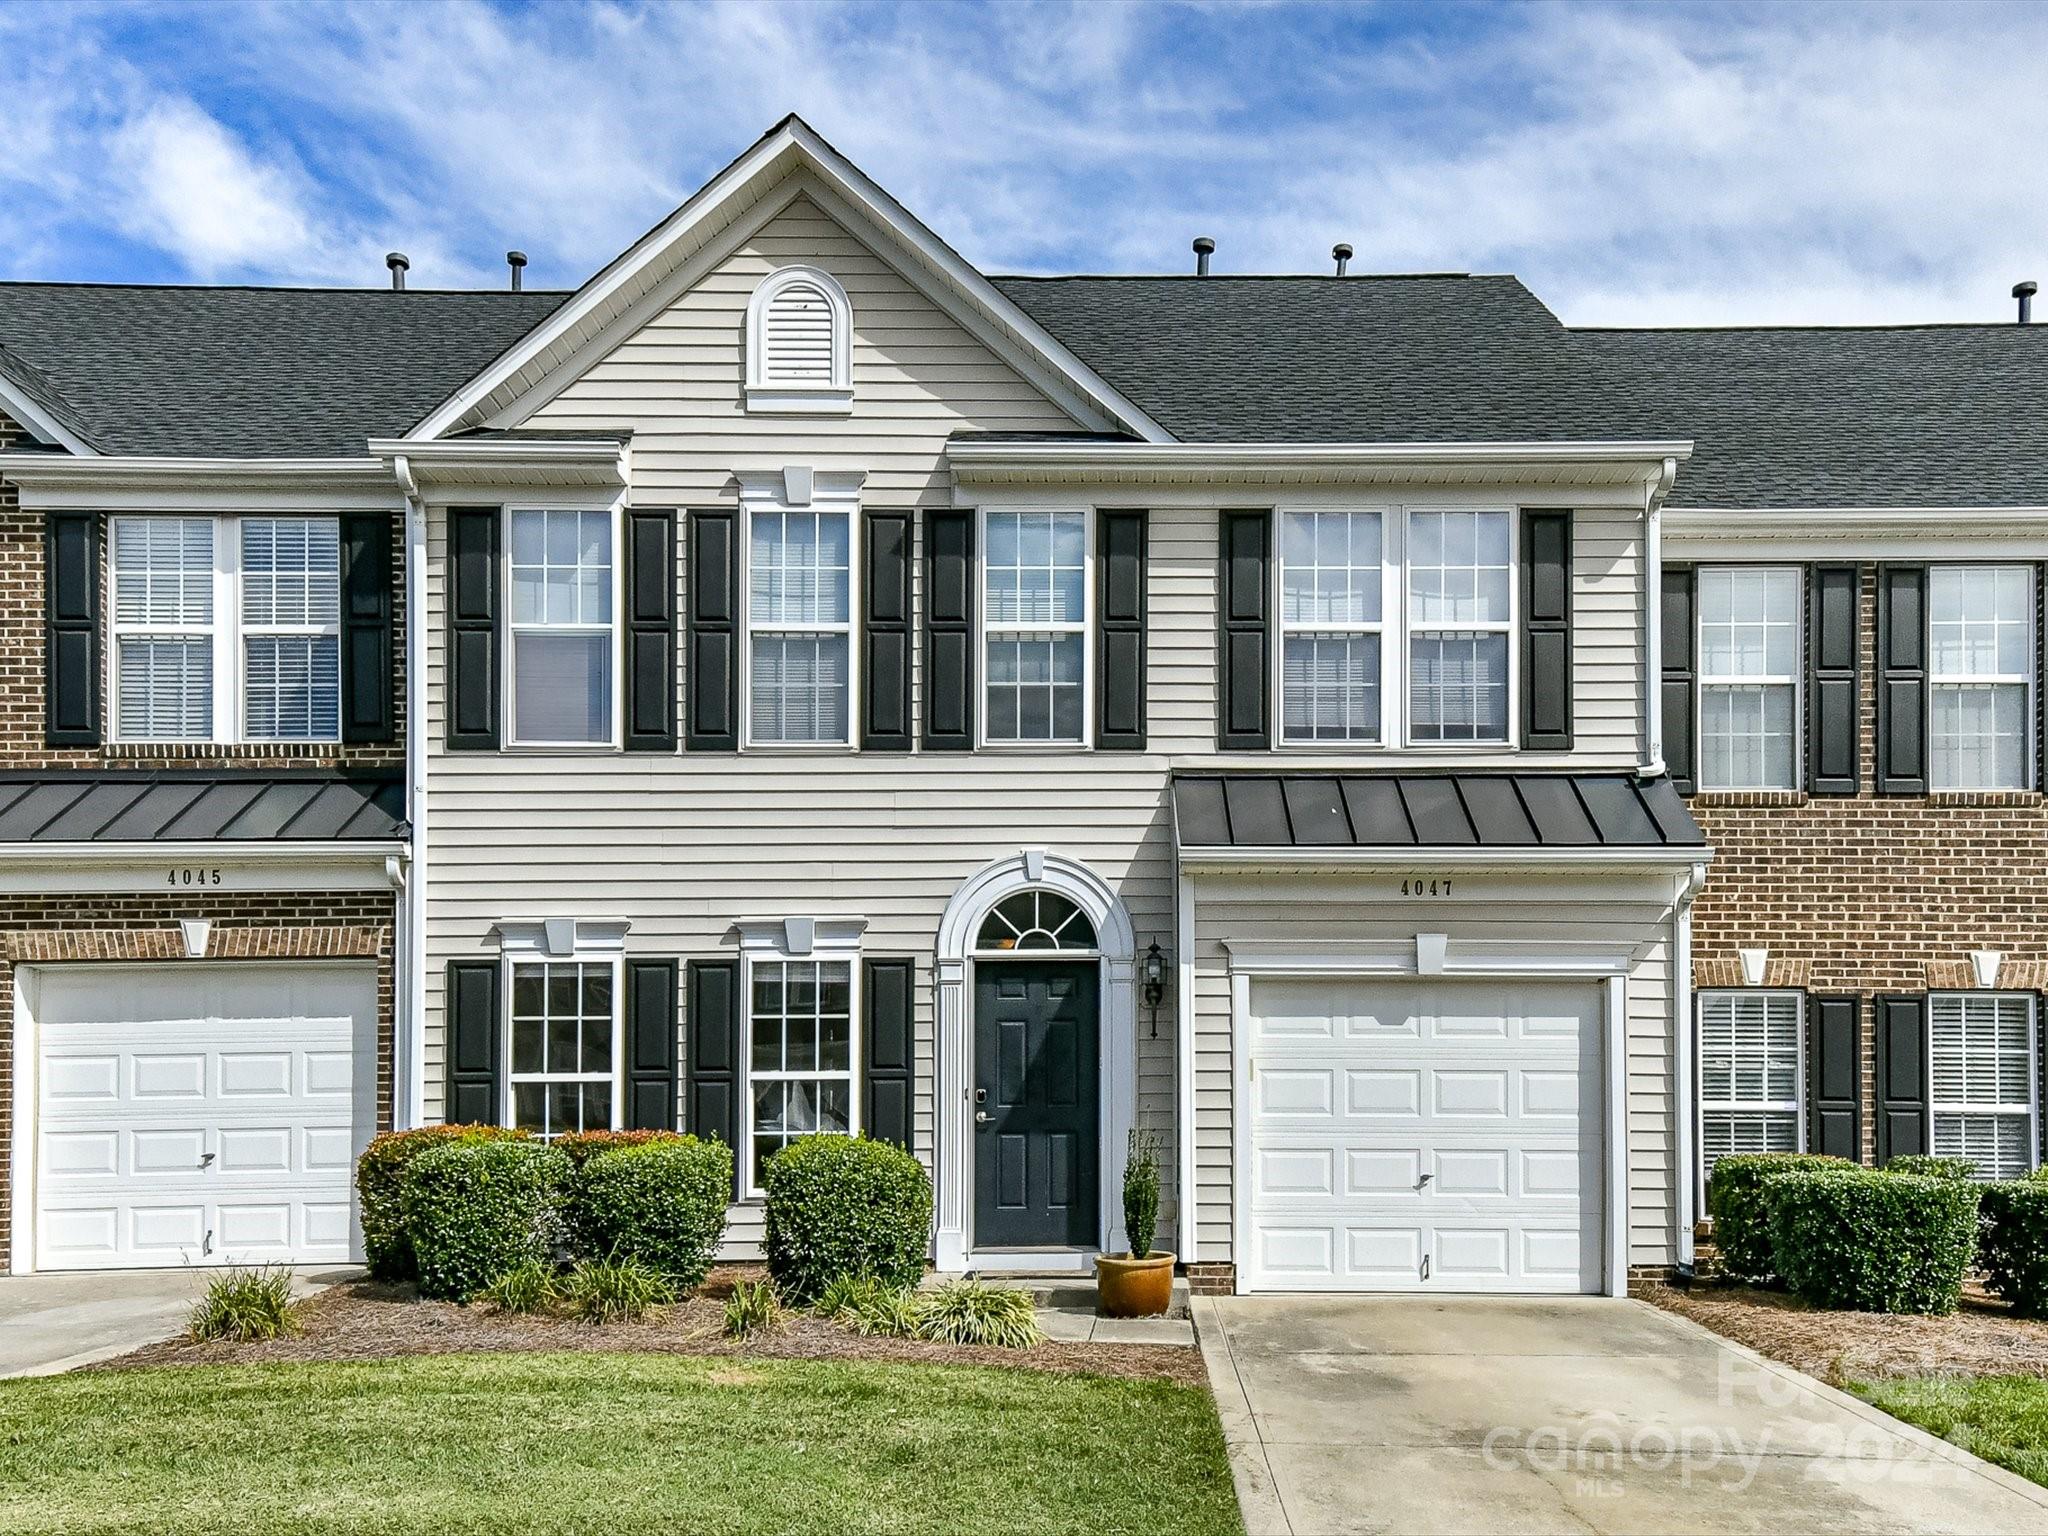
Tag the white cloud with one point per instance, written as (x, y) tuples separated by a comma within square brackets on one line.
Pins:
[(197, 190)]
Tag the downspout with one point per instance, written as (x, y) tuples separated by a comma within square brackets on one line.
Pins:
[(1681, 1069), (1653, 628), (411, 1045), (1184, 1059)]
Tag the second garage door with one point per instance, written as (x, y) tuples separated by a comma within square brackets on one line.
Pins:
[(1424, 1135)]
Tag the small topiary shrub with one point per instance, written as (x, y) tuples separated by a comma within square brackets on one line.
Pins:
[(1141, 1191), (968, 1312), (1921, 1165), (379, 1173), (659, 1203), (752, 1308), (526, 1287), (1742, 1226), (476, 1209), (613, 1290), (844, 1205), (1864, 1241), (246, 1304), (2012, 1243)]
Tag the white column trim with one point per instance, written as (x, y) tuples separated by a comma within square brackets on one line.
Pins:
[(1616, 1058), (1186, 1228)]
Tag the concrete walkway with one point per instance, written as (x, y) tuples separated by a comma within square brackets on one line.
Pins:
[(52, 1323), (1463, 1414)]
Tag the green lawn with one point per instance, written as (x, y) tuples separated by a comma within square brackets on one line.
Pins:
[(2001, 1418), (611, 1443)]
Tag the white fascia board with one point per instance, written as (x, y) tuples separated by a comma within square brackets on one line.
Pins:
[(1894, 533), (610, 291), (602, 462), (1633, 463), (48, 481), (41, 423), (219, 868), (1561, 860)]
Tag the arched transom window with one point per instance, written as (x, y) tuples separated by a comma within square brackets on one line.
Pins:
[(1036, 920), (799, 347)]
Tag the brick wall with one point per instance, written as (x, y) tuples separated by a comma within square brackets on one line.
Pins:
[(56, 930), (1870, 894), (21, 669)]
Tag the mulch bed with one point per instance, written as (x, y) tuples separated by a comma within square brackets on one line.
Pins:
[(1981, 1338), (367, 1321)]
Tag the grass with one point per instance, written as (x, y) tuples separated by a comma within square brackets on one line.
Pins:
[(619, 1443), (2004, 1419)]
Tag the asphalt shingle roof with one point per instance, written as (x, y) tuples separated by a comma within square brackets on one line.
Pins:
[(256, 372)]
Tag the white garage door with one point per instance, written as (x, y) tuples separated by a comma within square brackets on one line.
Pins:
[(1424, 1135), (200, 1114)]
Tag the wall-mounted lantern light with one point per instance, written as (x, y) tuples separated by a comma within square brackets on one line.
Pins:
[(1153, 975)]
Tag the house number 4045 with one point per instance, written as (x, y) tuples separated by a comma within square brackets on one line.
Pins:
[(189, 874), (1421, 887)]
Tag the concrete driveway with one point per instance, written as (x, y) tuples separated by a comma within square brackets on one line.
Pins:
[(1463, 1414), (51, 1323)]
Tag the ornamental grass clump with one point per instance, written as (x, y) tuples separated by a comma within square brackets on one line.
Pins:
[(614, 1290), (753, 1308), (868, 1307), (969, 1312), (246, 1305)]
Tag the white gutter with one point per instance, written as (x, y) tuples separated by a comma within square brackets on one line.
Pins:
[(1404, 856), (971, 452), (434, 459), (106, 469), (1681, 1068), (409, 1047), (1653, 627), (1184, 1062), (216, 851)]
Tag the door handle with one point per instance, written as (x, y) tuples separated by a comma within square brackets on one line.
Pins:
[(206, 1157), (1424, 1180), (982, 1117)]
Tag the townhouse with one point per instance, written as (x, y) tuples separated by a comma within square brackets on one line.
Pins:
[(1450, 775)]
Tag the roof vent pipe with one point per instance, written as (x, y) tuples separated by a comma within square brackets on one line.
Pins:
[(2025, 292), (397, 262), (1204, 249), (516, 260), (1342, 252)]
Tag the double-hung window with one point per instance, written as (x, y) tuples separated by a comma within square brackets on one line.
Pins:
[(1036, 627), (1460, 614), (1749, 677), (562, 632), (1980, 675), (800, 627), (1749, 1051), (227, 629), (1332, 591), (564, 1041), (1981, 1081), (800, 1054)]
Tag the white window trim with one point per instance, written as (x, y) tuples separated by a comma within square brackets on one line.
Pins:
[(1085, 628), (768, 397), (225, 633), (1966, 1109), (829, 491), (1796, 1106), (1397, 628), (1796, 682), (507, 668), (517, 954), (774, 940), (2032, 680)]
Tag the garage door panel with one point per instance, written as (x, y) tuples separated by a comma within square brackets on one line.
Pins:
[(1285, 1171)]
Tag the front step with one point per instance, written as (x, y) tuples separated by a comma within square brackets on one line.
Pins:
[(1059, 1293)]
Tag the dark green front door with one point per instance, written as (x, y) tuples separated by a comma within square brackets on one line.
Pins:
[(1036, 1065)]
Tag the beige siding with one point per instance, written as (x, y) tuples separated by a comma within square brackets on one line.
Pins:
[(1332, 911)]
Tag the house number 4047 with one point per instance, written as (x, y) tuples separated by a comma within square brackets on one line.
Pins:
[(1421, 887), (189, 874)]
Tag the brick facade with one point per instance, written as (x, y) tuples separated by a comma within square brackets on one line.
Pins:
[(1868, 894), (56, 930), (1212, 1279), (21, 670)]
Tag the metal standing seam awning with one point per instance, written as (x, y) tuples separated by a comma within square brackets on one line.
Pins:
[(113, 806)]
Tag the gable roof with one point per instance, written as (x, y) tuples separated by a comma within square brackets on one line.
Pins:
[(253, 372)]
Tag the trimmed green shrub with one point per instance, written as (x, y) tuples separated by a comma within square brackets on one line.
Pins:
[(379, 1172), (582, 1146), (845, 1205), (1864, 1241), (1923, 1165), (1141, 1190), (613, 1290), (658, 1203), (2012, 1243), (526, 1287), (246, 1304), (752, 1308), (968, 1312), (475, 1209), (1742, 1226)]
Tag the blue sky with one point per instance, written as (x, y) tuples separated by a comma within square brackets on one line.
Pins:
[(1634, 164)]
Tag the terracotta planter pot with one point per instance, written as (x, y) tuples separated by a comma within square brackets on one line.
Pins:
[(1134, 1287)]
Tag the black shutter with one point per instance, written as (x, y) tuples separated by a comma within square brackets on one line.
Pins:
[(475, 1043), (712, 1056), (1244, 641), (885, 647), (1901, 1077), (1831, 705), (1834, 1076), (650, 631), (886, 1047), (712, 695), (1901, 680), (1547, 631), (650, 1045), (1120, 631), (71, 629), (366, 641), (474, 637), (1678, 694), (949, 631)]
